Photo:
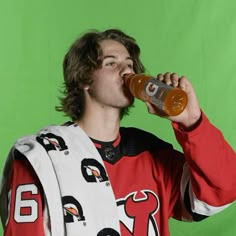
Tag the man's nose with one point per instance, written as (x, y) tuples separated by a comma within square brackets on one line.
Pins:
[(126, 69)]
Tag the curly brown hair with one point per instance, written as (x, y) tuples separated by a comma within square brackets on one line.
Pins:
[(85, 56)]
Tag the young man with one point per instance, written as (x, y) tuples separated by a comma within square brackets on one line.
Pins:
[(92, 177)]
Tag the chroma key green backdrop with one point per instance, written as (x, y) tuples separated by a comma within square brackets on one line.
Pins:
[(195, 38)]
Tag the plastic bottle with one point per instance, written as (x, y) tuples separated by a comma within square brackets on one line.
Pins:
[(169, 100)]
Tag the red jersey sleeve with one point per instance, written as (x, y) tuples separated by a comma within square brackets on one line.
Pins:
[(25, 204), (211, 162)]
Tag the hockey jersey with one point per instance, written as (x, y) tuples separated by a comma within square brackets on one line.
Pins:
[(150, 180)]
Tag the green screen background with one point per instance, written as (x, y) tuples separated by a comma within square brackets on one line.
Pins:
[(195, 38)]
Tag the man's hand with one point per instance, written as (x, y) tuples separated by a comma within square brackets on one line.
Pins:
[(192, 113)]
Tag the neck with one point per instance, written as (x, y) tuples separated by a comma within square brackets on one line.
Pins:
[(103, 126)]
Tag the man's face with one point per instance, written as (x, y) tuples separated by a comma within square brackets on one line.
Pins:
[(108, 86)]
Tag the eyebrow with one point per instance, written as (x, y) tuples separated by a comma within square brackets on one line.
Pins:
[(112, 56)]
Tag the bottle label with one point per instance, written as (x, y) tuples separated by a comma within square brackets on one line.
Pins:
[(156, 90), (151, 88)]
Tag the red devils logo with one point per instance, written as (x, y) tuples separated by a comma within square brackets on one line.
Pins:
[(138, 211)]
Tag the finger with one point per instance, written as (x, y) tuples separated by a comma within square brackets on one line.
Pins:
[(149, 107), (183, 83), (160, 77), (174, 79), (167, 78), (152, 109)]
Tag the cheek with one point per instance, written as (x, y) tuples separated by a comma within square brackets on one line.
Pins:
[(101, 84), (104, 80), (98, 88)]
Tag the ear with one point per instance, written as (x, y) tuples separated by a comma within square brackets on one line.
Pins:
[(86, 87)]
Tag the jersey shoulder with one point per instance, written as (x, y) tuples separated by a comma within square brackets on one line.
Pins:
[(135, 141)]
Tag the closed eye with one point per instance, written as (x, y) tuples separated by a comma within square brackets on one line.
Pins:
[(130, 66), (110, 64)]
